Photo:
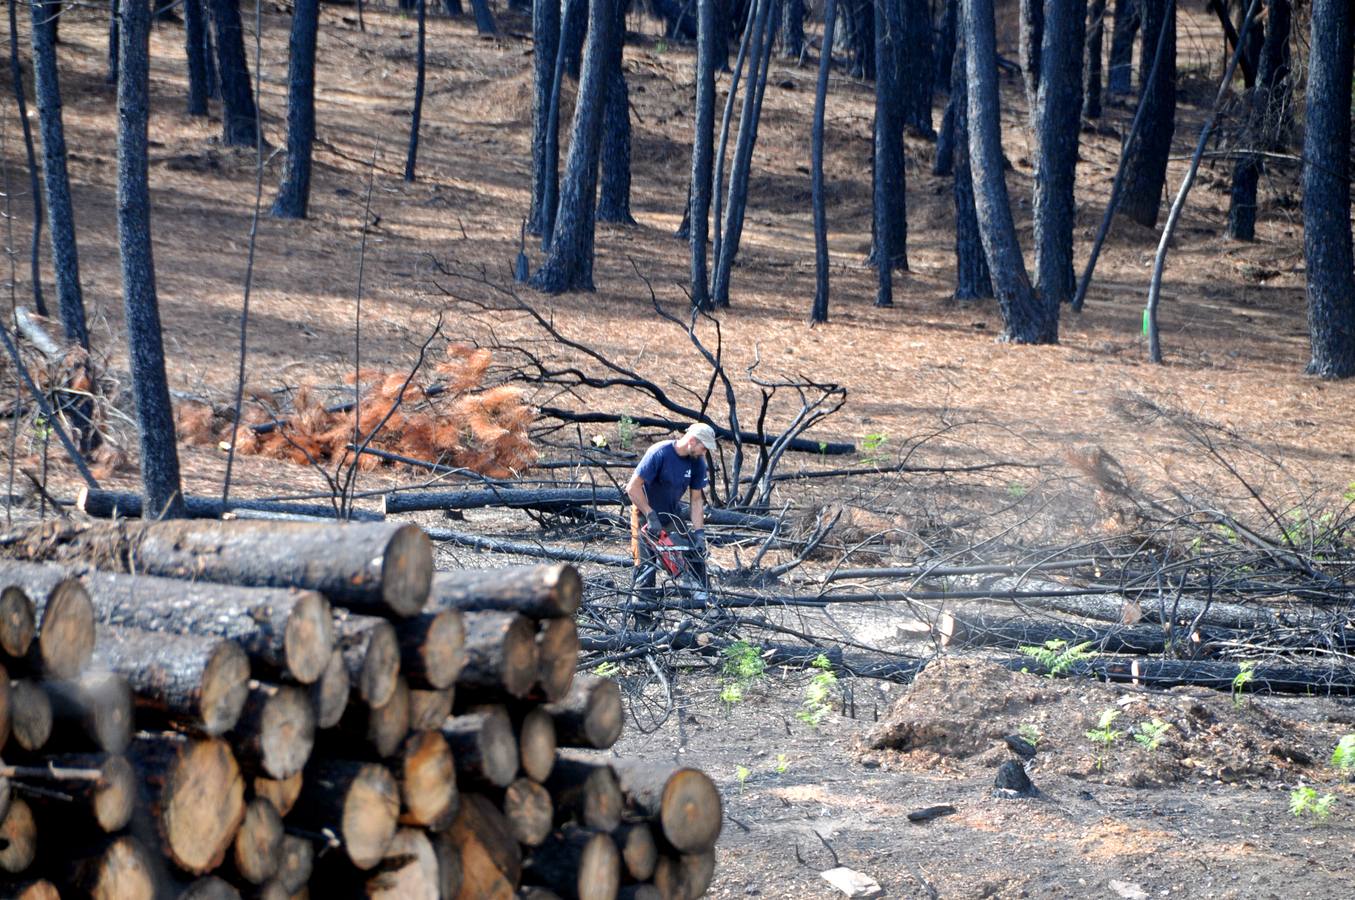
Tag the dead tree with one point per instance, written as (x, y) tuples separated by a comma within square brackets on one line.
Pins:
[(1146, 154), (16, 74), (293, 200)]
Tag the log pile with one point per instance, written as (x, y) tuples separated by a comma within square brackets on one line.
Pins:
[(281, 709)]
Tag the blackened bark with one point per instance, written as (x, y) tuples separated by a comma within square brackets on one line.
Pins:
[(703, 148), (890, 182), (972, 281), (1147, 154), (195, 52), (209, 57), (614, 193), (238, 116), (454, 8), (16, 75), (886, 159), (1031, 42), (1058, 122), (819, 312), (944, 52), (573, 27), (545, 48), (1091, 72), (1266, 123), (113, 40), (1326, 193), (793, 29), (858, 36), (717, 192), (145, 345), (944, 163), (575, 11), (416, 114), (569, 264), (759, 61), (293, 200), (60, 211), (484, 18), (1126, 27), (1028, 321), (913, 65)]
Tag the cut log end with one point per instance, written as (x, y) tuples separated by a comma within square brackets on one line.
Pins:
[(639, 852), (536, 742), (281, 792), (114, 795), (684, 877), (407, 571), (201, 805), (501, 653), (18, 624), (379, 665), (66, 637), (599, 869), (296, 862), (590, 715), (40, 890), (557, 656), (329, 695), (484, 745), (371, 811), (309, 637), (428, 782), (691, 813), (527, 807), (429, 709), (284, 731), (30, 715), (565, 584), (125, 870), (438, 654), (225, 686), (258, 844), (18, 837)]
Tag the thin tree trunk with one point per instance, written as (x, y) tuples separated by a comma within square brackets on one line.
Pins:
[(1027, 320), (159, 456), (1031, 42), (703, 150), (717, 192), (1058, 124), (793, 29), (614, 192), (1126, 27), (1146, 171), (972, 280), (545, 50), (195, 52), (1091, 73), (550, 190), (293, 200), (569, 264), (887, 159), (944, 54), (913, 65), (113, 41), (1265, 120), (819, 312), (16, 74), (416, 115), (1326, 193), (484, 19), (238, 115)]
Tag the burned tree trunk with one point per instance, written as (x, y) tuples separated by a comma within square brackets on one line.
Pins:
[(569, 263), (293, 200), (1266, 115), (614, 192), (819, 312), (16, 74), (590, 715), (1119, 71), (1028, 319), (539, 592), (358, 802), (1326, 193), (1091, 70), (890, 246), (239, 118), (155, 415), (1146, 169), (703, 151), (913, 66), (501, 654), (371, 655), (195, 53), (484, 747), (416, 113), (545, 50), (1058, 124), (1031, 47), (972, 280)]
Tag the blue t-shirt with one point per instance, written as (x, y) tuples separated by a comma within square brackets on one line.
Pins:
[(668, 476)]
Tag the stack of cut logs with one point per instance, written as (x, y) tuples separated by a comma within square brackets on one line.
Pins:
[(278, 709)]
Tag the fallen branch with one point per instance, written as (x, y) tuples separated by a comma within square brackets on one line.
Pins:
[(120, 504), (551, 500), (524, 548), (804, 445)]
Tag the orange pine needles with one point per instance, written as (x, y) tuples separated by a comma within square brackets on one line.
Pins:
[(455, 420)]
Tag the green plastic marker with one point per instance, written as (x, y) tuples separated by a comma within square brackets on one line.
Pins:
[(1145, 320)]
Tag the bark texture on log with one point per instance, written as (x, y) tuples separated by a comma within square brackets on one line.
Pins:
[(501, 654), (590, 715), (371, 653), (539, 592), (578, 864), (484, 746), (684, 801), (276, 730), (586, 790), (431, 648)]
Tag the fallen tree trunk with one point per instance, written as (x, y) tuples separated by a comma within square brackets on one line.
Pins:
[(973, 630), (548, 500), (104, 504), (804, 445), (279, 629), (376, 567), (525, 548), (1265, 678), (539, 592)]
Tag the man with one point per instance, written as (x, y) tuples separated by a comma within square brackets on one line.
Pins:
[(670, 472)]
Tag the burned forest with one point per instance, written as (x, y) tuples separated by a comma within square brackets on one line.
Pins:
[(557, 449)]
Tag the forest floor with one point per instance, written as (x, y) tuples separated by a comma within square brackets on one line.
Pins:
[(925, 378)]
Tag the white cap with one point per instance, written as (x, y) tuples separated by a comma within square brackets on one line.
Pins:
[(703, 433)]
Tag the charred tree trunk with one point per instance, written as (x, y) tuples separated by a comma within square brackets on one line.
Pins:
[(703, 150), (1031, 45), (1266, 115), (195, 53), (972, 280), (1326, 193), (1058, 124), (890, 246), (416, 114), (1028, 320), (614, 192), (113, 41), (239, 118), (545, 51), (569, 263), (1119, 71), (1091, 72), (294, 193), (590, 715), (913, 66), (16, 74), (371, 655), (1146, 172), (155, 415), (793, 29), (60, 211), (484, 18), (819, 312), (501, 655), (484, 747), (944, 52), (858, 36), (683, 801)]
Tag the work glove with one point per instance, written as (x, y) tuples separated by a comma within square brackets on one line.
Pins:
[(699, 540), (653, 524)]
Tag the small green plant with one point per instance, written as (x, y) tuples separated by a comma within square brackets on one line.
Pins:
[(1029, 733), (1104, 735), (1305, 800), (1343, 757), (606, 670), (1150, 734), (741, 773), (1056, 657), (782, 764), (743, 667), (625, 432), (818, 698), (1016, 490), (1349, 495), (42, 429), (871, 445), (660, 46), (1246, 673)]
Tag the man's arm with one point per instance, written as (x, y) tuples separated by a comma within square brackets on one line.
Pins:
[(698, 508), (635, 490)]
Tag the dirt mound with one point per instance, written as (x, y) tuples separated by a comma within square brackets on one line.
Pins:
[(957, 713)]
